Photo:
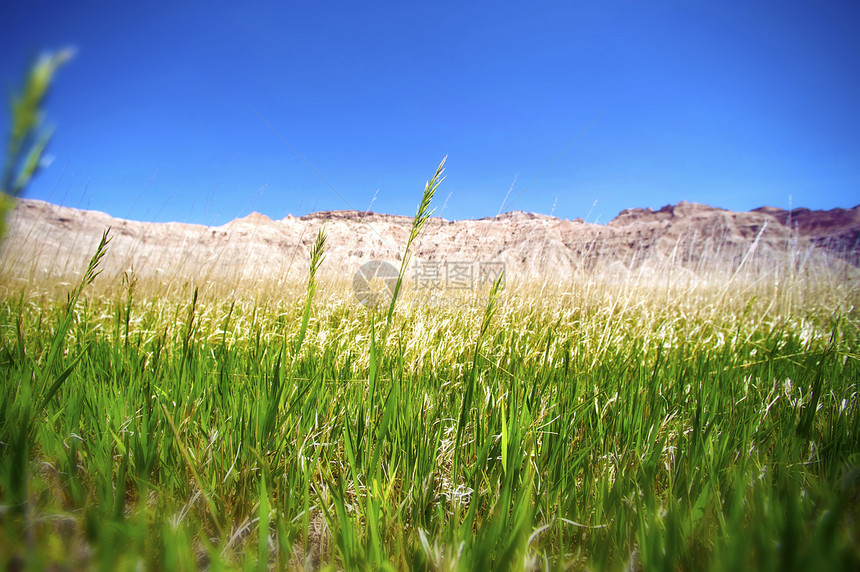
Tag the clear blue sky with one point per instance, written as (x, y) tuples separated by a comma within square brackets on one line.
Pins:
[(734, 104)]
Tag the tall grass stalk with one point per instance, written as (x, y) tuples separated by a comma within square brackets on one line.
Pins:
[(317, 257), (28, 137), (469, 394), (422, 214)]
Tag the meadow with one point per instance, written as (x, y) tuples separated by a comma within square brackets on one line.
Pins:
[(610, 421), (653, 416)]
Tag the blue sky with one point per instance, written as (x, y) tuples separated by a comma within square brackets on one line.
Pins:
[(164, 112)]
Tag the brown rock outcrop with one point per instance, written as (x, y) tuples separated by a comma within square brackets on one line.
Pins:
[(46, 241)]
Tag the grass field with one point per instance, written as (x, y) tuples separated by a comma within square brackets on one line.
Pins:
[(707, 420), (628, 417)]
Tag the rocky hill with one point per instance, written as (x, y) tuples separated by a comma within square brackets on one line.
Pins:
[(45, 241)]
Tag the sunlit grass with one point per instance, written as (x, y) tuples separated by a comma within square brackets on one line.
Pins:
[(609, 423), (649, 416)]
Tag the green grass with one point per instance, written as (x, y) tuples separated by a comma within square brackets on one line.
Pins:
[(583, 428), (658, 417), (28, 136)]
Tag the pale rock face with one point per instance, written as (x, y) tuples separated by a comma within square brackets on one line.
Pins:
[(47, 240)]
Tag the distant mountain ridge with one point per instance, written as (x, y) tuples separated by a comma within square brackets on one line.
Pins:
[(48, 240)]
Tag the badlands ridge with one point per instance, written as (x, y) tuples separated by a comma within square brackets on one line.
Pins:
[(49, 241)]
